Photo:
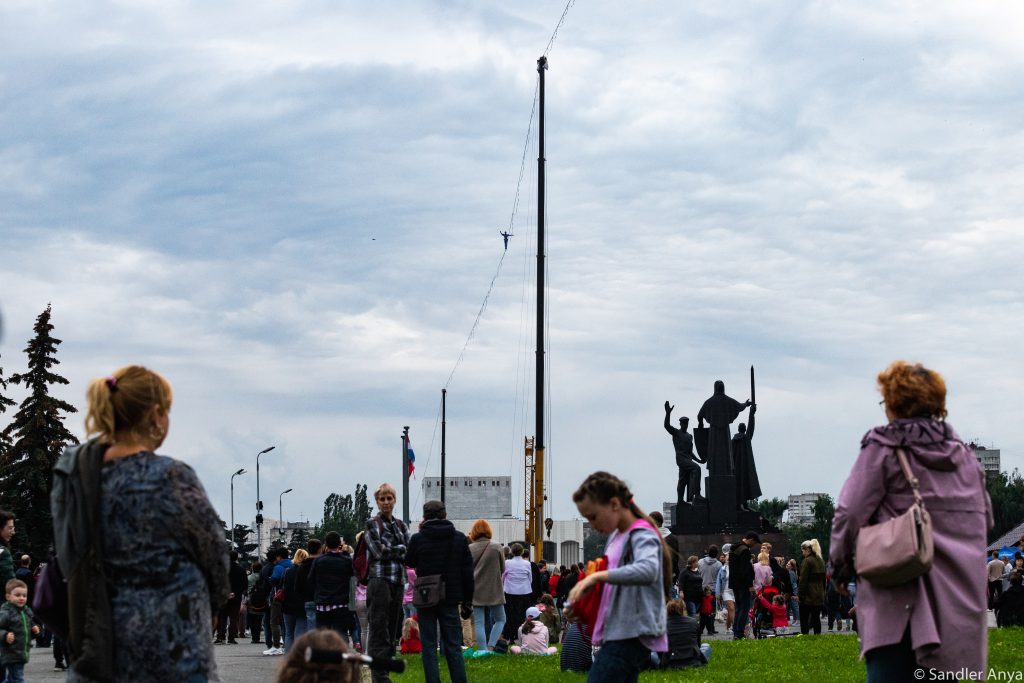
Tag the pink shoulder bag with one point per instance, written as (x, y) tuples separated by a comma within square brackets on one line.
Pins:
[(899, 550)]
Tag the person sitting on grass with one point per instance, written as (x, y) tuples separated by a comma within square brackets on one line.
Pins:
[(550, 617), (577, 649), (411, 644), (684, 646), (533, 636), (295, 668)]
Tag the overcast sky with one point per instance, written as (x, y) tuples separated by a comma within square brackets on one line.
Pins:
[(292, 211)]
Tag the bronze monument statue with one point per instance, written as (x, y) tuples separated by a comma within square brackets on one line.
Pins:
[(688, 486), (714, 442), (747, 485)]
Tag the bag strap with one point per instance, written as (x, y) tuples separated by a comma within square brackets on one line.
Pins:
[(480, 557), (911, 479)]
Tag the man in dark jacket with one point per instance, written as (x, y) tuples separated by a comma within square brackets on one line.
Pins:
[(741, 580), (271, 632), (229, 612), (330, 578), (438, 549)]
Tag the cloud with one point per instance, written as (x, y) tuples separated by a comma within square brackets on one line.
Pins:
[(293, 211)]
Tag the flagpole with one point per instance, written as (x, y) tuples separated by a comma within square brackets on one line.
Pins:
[(444, 399), (405, 474)]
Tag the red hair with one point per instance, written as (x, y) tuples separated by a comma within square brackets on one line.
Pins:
[(913, 391), (480, 529)]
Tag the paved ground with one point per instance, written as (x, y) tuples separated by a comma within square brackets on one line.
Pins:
[(242, 663)]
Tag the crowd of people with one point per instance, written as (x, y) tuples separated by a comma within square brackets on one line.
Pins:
[(137, 543)]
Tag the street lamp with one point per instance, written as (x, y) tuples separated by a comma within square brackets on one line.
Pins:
[(234, 541), (280, 514), (259, 504)]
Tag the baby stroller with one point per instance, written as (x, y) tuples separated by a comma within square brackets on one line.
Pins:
[(760, 617)]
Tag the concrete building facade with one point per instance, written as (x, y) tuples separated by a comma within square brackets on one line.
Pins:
[(989, 458), (486, 497), (801, 507)]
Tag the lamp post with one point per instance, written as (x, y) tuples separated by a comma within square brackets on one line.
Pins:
[(234, 541), (259, 504), (280, 514)]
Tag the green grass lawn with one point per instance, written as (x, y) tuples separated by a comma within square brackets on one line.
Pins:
[(804, 658)]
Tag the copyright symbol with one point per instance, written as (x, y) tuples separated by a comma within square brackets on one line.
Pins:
[(918, 674)]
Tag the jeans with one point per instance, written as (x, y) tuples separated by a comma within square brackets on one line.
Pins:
[(691, 609), (364, 623), (447, 616), (794, 609), (301, 626), (619, 661), (384, 608), (743, 602), (408, 610), (15, 673), (488, 623), (268, 639), (892, 663), (289, 631), (310, 616)]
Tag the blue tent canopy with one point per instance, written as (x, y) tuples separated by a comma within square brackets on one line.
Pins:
[(1008, 551)]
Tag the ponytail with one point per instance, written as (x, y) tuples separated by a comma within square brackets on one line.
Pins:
[(529, 626), (120, 403), (601, 487)]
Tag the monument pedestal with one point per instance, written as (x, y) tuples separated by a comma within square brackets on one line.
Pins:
[(721, 490), (690, 517), (717, 520)]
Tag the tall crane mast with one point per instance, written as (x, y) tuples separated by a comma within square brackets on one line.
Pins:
[(534, 460)]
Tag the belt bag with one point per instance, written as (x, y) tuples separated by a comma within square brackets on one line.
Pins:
[(899, 550), (428, 591)]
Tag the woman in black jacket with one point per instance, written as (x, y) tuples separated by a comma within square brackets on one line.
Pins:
[(292, 607), (307, 622), (331, 582), (691, 585)]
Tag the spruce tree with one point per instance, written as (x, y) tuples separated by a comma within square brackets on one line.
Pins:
[(36, 437), (300, 537)]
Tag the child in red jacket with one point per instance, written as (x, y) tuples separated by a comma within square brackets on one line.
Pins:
[(707, 612), (411, 636), (777, 607)]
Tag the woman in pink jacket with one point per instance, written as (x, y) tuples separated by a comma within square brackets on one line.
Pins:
[(938, 620)]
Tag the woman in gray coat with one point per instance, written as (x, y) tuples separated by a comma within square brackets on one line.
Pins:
[(488, 593)]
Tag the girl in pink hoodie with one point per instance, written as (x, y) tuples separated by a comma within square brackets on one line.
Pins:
[(533, 636)]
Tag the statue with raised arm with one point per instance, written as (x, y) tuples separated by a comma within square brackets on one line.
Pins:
[(688, 486), (747, 485), (720, 411)]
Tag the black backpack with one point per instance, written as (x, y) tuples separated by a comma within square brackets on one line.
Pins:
[(259, 593)]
